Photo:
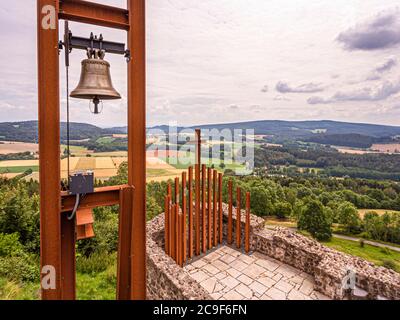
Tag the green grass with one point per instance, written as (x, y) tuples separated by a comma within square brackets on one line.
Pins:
[(21, 169), (156, 172), (373, 254), (105, 140), (95, 286)]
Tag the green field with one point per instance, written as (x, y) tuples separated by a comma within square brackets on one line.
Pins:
[(18, 169), (373, 254)]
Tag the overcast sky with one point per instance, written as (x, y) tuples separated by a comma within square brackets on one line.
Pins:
[(231, 60)]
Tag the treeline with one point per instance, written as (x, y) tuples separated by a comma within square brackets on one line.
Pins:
[(352, 140), (120, 144), (370, 165), (17, 156)]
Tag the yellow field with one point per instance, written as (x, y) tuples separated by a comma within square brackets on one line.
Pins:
[(102, 167), (362, 212), (9, 147), (19, 163)]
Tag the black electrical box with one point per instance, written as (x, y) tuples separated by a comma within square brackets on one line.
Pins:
[(81, 183)]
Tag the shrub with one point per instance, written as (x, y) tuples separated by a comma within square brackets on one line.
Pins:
[(283, 210), (20, 268), (97, 262), (10, 245), (389, 264), (315, 220)]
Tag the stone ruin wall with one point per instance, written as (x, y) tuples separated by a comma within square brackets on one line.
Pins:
[(167, 281)]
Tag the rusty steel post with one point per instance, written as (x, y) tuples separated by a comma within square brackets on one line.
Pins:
[(203, 208), (238, 218), (190, 212), (215, 234), (176, 190), (49, 147), (173, 232), (137, 142), (124, 264), (221, 229), (179, 238), (230, 211), (197, 209), (247, 228), (166, 224), (184, 212), (197, 189), (68, 271), (177, 233), (209, 207)]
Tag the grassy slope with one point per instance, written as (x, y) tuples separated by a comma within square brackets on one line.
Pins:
[(370, 253)]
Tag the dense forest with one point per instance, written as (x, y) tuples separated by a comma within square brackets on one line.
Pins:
[(333, 163)]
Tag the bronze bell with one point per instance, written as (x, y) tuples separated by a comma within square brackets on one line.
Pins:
[(95, 83)]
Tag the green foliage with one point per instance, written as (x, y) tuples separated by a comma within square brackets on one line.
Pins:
[(348, 217), (314, 219), (10, 245), (283, 210), (95, 263)]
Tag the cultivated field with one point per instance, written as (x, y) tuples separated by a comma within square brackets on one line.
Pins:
[(386, 148), (9, 147)]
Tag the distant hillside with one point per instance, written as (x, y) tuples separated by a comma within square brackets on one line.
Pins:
[(328, 132), (297, 129), (347, 140), (28, 131)]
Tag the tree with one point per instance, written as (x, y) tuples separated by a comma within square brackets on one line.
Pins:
[(315, 220), (283, 210), (348, 217)]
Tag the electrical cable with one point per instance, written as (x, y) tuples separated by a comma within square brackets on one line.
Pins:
[(77, 203)]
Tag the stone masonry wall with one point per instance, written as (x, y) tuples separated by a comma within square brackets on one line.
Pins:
[(165, 279), (328, 266)]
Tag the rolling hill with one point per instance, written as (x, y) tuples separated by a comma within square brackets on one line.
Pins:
[(316, 131)]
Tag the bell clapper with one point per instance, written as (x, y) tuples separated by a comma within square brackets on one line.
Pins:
[(96, 103)]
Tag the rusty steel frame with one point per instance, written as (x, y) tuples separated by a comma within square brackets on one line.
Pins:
[(57, 233)]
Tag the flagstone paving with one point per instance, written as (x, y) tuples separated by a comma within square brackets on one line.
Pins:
[(228, 274)]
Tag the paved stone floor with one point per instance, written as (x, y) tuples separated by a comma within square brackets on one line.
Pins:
[(228, 274)]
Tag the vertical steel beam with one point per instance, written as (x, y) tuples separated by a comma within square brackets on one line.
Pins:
[(68, 258), (215, 234), (197, 189), (209, 207), (238, 218), (230, 211), (190, 212), (166, 224), (49, 143), (197, 209), (184, 216), (173, 232), (247, 228), (124, 244), (221, 231), (203, 208), (137, 142)]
